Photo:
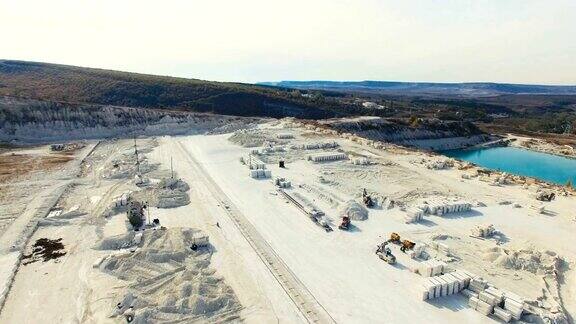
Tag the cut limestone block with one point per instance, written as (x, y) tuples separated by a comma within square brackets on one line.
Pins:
[(503, 314), (514, 307), (498, 294), (469, 293), (438, 267), (444, 285), (473, 302), (463, 278), (425, 270), (477, 284), (427, 290), (438, 288), (484, 308), (452, 284), (431, 290), (488, 298)]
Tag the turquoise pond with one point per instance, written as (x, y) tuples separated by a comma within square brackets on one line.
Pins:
[(547, 167)]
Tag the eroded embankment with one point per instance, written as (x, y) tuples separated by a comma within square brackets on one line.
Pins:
[(33, 121)]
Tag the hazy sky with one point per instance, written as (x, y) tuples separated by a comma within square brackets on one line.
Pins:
[(521, 41)]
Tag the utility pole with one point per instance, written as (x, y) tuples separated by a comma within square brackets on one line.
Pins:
[(148, 212), (171, 168), (136, 154)]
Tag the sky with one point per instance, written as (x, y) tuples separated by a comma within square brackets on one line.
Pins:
[(515, 41)]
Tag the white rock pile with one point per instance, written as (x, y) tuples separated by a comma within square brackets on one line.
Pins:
[(354, 210)]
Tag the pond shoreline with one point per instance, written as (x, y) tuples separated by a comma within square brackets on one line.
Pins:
[(518, 160)]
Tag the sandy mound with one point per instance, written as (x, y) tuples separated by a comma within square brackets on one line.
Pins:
[(170, 282), (173, 184), (116, 242), (247, 138), (232, 126), (354, 210), (126, 167), (172, 199), (528, 260), (171, 193)]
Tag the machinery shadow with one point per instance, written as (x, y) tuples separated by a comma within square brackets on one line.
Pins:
[(549, 213), (353, 228), (500, 237), (427, 222), (467, 214), (399, 266)]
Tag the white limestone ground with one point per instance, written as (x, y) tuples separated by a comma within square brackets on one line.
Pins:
[(74, 289), (532, 256), (336, 256)]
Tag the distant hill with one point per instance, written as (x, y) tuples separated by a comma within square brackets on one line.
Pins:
[(71, 84), (480, 89)]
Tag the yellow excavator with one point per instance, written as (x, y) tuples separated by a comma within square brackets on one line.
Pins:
[(404, 245), (384, 252)]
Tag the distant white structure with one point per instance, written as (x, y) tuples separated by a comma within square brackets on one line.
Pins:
[(445, 285), (371, 105), (438, 207), (501, 115), (360, 161), (252, 162), (260, 174), (282, 182), (487, 299), (326, 157), (315, 146), (413, 215), (483, 230), (284, 136), (122, 200), (431, 268)]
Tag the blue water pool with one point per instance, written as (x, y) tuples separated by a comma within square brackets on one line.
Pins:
[(547, 167)]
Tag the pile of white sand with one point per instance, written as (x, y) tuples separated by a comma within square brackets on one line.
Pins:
[(172, 193), (167, 281), (354, 210), (527, 259), (172, 199), (233, 126), (247, 138), (173, 184), (116, 242)]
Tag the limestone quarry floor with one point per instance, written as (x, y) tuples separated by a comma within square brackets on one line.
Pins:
[(339, 268)]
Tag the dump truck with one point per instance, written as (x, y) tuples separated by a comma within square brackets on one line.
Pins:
[(345, 225)]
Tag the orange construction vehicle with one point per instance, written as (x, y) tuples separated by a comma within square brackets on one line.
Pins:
[(404, 245), (345, 225)]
